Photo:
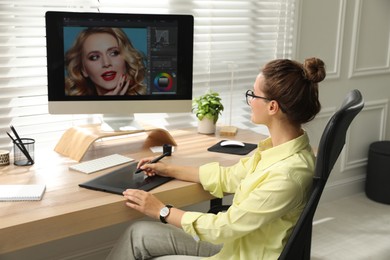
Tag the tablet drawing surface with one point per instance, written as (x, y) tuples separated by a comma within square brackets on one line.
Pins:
[(124, 178)]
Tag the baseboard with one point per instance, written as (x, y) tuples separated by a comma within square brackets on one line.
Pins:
[(343, 188)]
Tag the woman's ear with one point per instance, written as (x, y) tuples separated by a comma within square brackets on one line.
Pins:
[(273, 107), (84, 73)]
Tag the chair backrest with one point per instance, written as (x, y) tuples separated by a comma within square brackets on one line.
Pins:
[(330, 146), (333, 137)]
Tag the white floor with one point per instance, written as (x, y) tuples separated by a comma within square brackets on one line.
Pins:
[(351, 228)]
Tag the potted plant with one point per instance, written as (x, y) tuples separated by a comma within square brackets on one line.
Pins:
[(207, 109)]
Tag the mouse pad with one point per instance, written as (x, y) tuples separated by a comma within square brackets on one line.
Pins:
[(124, 178), (232, 149)]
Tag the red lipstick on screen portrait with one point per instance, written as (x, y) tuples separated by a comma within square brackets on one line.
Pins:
[(108, 75)]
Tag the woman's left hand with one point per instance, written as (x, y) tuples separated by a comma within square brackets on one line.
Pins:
[(143, 202)]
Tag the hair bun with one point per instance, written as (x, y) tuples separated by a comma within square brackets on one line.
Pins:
[(314, 69)]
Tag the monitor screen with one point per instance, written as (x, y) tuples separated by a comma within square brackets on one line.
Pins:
[(119, 64)]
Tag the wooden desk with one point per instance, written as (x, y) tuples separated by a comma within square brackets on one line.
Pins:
[(67, 210)]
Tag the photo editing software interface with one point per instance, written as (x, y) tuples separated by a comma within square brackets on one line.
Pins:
[(156, 40)]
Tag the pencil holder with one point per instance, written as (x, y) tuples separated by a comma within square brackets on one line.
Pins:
[(22, 150)]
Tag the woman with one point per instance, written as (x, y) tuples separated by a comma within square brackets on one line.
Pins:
[(102, 61), (270, 188)]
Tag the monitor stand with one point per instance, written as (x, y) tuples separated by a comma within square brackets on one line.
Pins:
[(75, 142), (115, 123)]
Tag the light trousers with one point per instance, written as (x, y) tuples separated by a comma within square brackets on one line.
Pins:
[(155, 240)]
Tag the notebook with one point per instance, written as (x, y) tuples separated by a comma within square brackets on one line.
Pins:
[(22, 192), (124, 178)]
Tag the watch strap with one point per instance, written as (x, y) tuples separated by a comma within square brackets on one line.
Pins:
[(162, 218)]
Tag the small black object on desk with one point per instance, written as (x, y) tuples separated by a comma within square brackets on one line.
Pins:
[(167, 148)]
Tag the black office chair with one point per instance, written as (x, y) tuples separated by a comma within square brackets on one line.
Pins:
[(332, 142)]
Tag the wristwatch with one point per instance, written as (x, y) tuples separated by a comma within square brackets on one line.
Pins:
[(164, 212)]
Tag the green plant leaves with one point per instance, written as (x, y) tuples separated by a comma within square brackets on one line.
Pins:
[(208, 105)]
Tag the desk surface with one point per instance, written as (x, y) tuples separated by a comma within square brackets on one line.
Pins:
[(67, 210)]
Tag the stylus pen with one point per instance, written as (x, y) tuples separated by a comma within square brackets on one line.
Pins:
[(154, 161)]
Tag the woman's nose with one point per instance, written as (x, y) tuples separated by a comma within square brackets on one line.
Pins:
[(106, 62)]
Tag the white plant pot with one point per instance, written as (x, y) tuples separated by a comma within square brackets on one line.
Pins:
[(206, 126)]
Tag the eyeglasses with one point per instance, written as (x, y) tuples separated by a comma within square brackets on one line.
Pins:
[(250, 95)]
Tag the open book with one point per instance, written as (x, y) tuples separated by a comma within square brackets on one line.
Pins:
[(22, 192)]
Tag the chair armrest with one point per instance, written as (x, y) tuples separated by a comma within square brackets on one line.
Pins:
[(218, 208)]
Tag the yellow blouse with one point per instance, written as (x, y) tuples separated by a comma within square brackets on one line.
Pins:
[(270, 190)]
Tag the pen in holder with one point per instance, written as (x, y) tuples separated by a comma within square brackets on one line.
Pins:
[(23, 149)]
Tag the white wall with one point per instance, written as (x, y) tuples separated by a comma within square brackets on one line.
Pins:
[(353, 38)]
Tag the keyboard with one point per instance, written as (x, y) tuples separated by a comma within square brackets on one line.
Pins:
[(101, 163)]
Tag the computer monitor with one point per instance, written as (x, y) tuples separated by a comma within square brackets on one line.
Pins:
[(119, 64)]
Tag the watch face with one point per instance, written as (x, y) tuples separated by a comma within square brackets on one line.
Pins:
[(164, 212)]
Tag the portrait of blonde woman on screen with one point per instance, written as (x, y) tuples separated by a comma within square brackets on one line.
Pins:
[(103, 61)]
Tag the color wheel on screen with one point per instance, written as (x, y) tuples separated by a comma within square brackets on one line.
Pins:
[(163, 82)]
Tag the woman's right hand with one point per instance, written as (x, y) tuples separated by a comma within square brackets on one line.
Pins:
[(185, 173), (151, 169)]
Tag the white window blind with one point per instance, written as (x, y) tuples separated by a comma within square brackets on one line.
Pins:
[(232, 40), (23, 70)]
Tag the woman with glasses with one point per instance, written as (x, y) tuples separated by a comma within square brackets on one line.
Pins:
[(270, 188)]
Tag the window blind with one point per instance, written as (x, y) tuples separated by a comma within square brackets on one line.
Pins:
[(232, 40), (23, 70)]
